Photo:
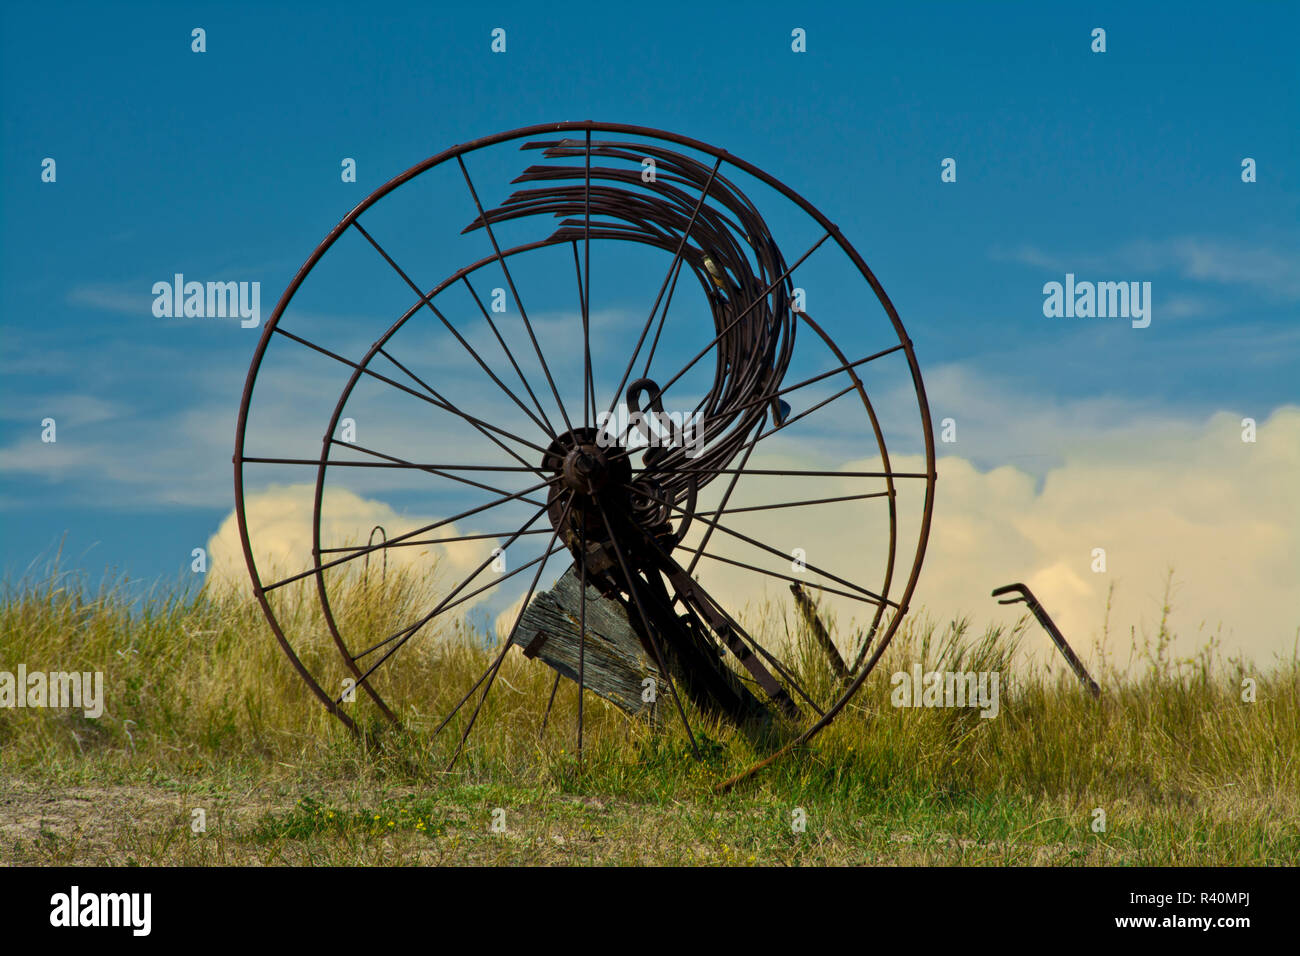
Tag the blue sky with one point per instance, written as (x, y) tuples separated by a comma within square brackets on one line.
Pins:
[(225, 165)]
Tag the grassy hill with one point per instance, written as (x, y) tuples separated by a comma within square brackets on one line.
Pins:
[(203, 712)]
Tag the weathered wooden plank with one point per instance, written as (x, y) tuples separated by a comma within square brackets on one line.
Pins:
[(615, 664)]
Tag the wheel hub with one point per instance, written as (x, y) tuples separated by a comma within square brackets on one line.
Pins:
[(585, 469)]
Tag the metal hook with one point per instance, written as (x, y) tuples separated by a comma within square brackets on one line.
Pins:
[(1027, 596), (383, 578)]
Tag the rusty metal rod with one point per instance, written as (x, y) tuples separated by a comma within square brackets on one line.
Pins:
[(1027, 596)]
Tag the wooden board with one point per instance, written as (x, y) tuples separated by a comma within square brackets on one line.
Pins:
[(615, 664)]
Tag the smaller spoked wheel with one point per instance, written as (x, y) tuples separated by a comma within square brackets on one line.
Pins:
[(595, 450)]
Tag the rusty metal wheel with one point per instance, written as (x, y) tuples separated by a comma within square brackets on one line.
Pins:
[(675, 465)]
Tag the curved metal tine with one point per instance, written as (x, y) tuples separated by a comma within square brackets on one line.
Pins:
[(876, 598), (487, 224), (427, 300), (744, 635), (505, 645), (410, 534), (409, 632), (730, 325), (645, 621), (681, 246), (436, 402), (663, 317), (790, 420)]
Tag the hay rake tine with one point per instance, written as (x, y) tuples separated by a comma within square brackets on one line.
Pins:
[(1027, 597)]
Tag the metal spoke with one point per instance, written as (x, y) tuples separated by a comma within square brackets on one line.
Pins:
[(704, 595), (732, 324), (402, 537), (713, 522), (681, 246), (550, 429), (802, 473), (589, 384), (395, 461), (410, 391), (765, 399), (776, 574), (586, 314), (794, 418), (482, 427), (663, 318), (731, 486), (797, 504), (848, 366), (423, 541), (582, 628), (427, 300), (487, 224), (472, 594), (505, 645), (408, 632), (645, 622), (549, 704)]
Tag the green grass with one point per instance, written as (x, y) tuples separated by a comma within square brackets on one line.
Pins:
[(204, 712)]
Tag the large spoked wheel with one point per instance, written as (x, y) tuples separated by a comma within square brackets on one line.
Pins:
[(578, 462)]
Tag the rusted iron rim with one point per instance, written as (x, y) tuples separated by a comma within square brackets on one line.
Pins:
[(716, 227)]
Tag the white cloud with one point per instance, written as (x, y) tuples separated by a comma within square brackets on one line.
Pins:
[(1199, 258), (1221, 260), (73, 409), (280, 532), (1224, 514), (126, 300), (506, 619)]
